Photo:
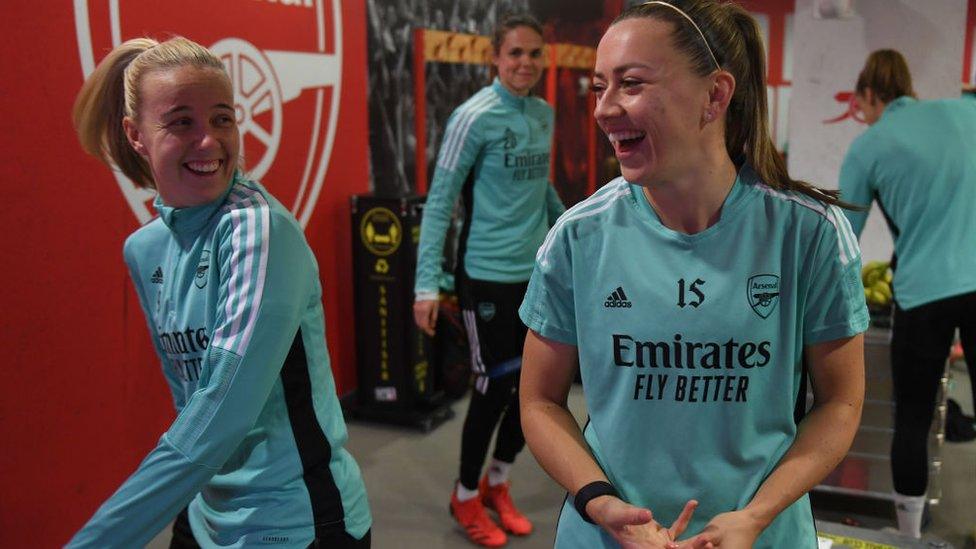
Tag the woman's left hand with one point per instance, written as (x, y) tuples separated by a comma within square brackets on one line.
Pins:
[(733, 530)]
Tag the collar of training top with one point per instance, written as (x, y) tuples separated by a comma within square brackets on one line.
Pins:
[(192, 219)]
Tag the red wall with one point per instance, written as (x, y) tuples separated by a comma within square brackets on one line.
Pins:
[(967, 55), (83, 397)]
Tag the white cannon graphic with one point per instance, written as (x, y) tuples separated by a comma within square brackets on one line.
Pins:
[(263, 80)]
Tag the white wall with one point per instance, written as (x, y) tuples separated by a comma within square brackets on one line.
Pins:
[(828, 55)]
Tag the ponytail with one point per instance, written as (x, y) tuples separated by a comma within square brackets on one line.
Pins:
[(100, 108), (749, 134), (886, 73)]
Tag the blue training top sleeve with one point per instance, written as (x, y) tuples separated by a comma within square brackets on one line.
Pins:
[(459, 151), (855, 187), (834, 304), (259, 307), (549, 308)]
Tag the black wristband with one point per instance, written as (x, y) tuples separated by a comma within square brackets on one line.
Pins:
[(585, 494)]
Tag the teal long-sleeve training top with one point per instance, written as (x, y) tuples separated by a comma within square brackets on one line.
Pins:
[(231, 293), (499, 143)]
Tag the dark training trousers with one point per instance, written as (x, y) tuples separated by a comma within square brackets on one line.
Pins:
[(496, 336), (499, 401), (920, 344)]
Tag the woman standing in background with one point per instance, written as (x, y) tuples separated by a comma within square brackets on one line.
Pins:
[(495, 154), (917, 162)]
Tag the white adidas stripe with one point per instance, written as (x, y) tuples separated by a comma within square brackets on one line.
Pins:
[(481, 384), (244, 289), (450, 157), (235, 295), (465, 127), (238, 196), (264, 210), (846, 241), (598, 202), (583, 204), (471, 326), (846, 232), (451, 133)]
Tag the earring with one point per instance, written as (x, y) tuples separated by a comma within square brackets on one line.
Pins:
[(709, 115)]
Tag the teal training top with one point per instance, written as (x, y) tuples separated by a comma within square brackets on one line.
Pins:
[(918, 161), (232, 297), (690, 346), (499, 144)]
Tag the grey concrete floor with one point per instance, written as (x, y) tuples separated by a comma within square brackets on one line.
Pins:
[(409, 476)]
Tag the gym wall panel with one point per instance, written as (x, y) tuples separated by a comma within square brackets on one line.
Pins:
[(83, 398)]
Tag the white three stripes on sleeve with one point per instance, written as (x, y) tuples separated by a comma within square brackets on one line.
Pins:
[(601, 200), (457, 131), (846, 241), (250, 221)]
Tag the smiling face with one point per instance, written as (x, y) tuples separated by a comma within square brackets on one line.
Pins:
[(650, 104), (187, 130), (519, 60)]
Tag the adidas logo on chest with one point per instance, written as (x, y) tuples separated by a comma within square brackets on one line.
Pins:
[(617, 299)]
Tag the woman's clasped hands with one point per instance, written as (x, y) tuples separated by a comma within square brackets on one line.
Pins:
[(635, 528)]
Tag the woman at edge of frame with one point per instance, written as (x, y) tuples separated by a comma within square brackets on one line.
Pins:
[(916, 161), (232, 298), (689, 291), (496, 155)]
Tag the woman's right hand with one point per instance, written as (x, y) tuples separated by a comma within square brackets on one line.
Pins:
[(634, 527), (425, 315)]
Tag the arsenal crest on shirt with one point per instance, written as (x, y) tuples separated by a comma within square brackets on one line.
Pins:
[(763, 293)]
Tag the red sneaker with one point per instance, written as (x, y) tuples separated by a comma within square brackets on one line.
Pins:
[(498, 498), (480, 528)]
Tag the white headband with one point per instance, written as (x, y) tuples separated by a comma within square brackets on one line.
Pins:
[(693, 24)]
